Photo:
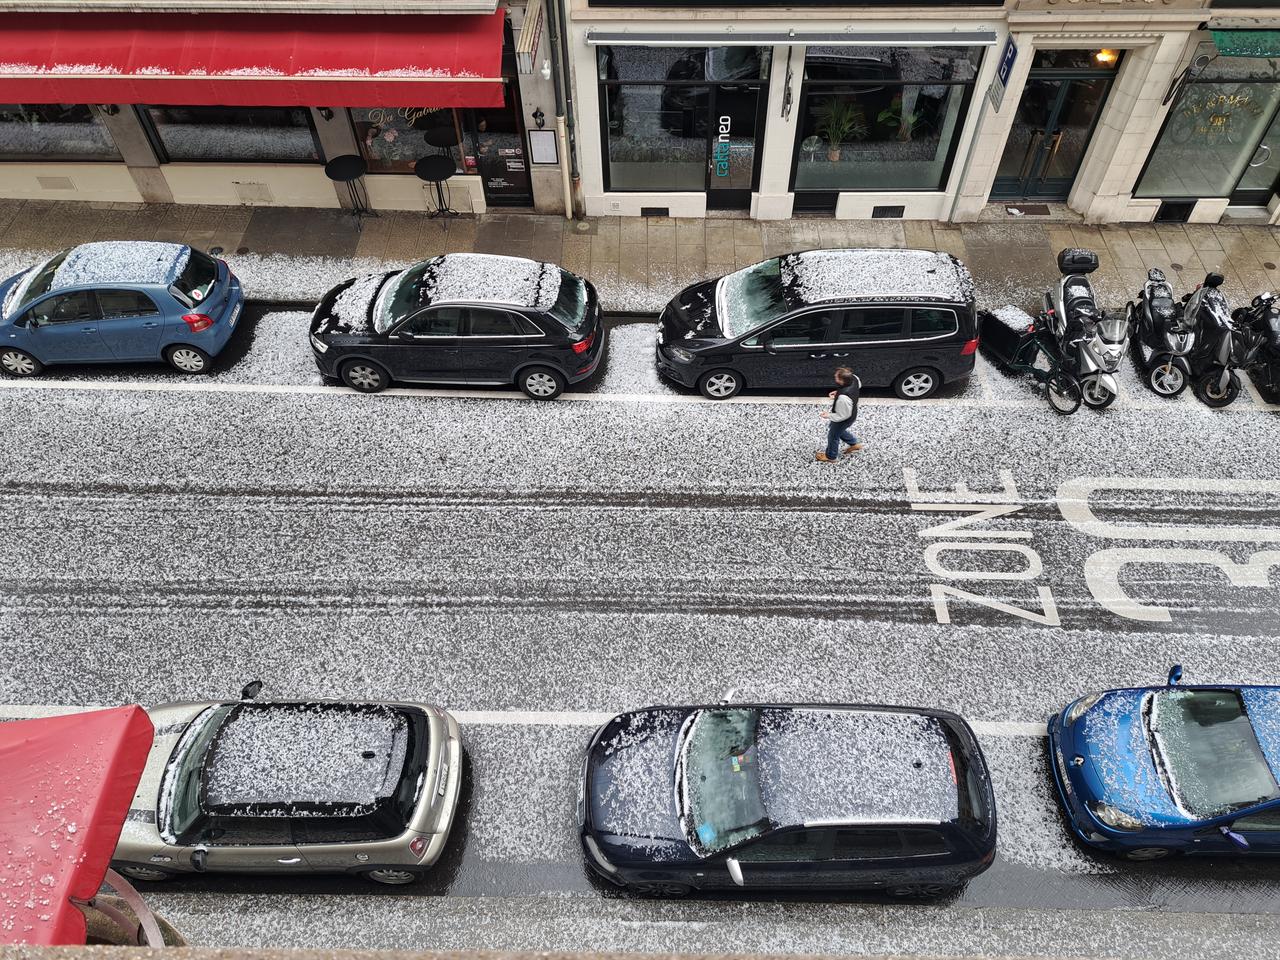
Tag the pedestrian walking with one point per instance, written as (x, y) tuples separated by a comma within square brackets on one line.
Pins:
[(840, 418)]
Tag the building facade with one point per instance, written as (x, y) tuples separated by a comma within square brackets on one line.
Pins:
[(1123, 110)]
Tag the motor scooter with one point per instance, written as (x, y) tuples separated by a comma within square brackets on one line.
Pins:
[(1092, 343), (1223, 345), (1164, 337)]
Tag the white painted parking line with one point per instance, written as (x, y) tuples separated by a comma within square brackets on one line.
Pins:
[(532, 718), (302, 389)]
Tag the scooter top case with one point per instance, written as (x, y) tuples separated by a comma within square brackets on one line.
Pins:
[(1077, 260)]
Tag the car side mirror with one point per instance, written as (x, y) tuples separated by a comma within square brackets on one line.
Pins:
[(1175, 675), (729, 695), (251, 690), (199, 859), (735, 871), (1234, 837)]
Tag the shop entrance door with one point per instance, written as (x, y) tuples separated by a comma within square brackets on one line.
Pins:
[(1261, 178), (732, 161), (1050, 135)]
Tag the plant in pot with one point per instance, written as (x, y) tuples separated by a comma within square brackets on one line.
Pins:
[(839, 121), (904, 119)]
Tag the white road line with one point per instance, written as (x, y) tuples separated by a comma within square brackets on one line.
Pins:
[(303, 389), (533, 718)]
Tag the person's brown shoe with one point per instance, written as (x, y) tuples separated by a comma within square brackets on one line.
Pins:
[(852, 448), (821, 456)]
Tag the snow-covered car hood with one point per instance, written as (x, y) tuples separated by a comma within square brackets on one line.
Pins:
[(348, 307), (8, 289), (1113, 741), (632, 776), (169, 720), (691, 315)]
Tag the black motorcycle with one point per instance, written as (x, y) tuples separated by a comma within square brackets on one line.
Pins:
[(1223, 344), (1165, 337), (1263, 317)]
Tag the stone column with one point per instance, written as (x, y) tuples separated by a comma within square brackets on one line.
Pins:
[(125, 127), (337, 137), (773, 199)]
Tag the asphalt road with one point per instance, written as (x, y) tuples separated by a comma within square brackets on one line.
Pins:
[(534, 565)]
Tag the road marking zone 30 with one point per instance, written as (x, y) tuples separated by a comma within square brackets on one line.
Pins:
[(527, 718)]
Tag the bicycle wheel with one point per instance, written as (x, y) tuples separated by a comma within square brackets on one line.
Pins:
[(1062, 390)]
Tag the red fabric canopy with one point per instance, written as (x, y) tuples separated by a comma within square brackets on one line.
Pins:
[(241, 60), (65, 788)]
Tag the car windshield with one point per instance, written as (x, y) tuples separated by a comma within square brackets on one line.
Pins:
[(750, 298), (197, 277), (718, 780), (180, 791), (400, 296), (1208, 752), (35, 284), (570, 308)]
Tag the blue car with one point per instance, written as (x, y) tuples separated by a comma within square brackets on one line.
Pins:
[(116, 301), (1153, 771)]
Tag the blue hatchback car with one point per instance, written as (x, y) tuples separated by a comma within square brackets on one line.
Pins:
[(115, 301), (1153, 771)]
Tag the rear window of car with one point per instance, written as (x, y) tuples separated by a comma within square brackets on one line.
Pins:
[(570, 308), (198, 277), (933, 321)]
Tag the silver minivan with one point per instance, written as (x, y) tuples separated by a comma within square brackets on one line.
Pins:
[(294, 787)]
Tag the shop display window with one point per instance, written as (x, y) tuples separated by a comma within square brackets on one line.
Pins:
[(234, 134), (53, 131)]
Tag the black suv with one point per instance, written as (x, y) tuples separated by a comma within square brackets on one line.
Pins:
[(810, 796), (898, 318), (461, 318)]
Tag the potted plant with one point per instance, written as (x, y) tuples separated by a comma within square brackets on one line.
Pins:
[(905, 120), (838, 122)]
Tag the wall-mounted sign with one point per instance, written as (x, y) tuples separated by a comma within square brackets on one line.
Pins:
[(1008, 57), (543, 147)]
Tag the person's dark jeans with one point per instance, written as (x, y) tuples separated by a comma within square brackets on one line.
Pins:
[(835, 433)]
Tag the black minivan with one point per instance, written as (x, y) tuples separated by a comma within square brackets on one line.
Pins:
[(792, 796), (464, 318), (899, 318)]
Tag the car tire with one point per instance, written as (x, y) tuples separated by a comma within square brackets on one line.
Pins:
[(541, 383), (187, 359), (136, 871), (1144, 854), (391, 877), (19, 363), (917, 383), (929, 891), (659, 889), (365, 376), (720, 384)]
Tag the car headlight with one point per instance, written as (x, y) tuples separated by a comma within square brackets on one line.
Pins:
[(1077, 709), (680, 354), (319, 344), (599, 857), (1114, 817)]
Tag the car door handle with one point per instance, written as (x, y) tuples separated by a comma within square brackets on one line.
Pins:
[(150, 325), (289, 860), (817, 356), (839, 354)]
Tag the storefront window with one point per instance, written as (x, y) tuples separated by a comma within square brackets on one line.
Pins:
[(660, 105), (234, 134), (53, 131), (882, 118), (1213, 131), (391, 138)]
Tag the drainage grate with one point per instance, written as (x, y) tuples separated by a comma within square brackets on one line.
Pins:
[(655, 211)]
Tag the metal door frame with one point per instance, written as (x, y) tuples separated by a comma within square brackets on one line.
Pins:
[(1010, 188)]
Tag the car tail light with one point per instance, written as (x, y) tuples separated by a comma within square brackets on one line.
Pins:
[(582, 346), (970, 347), (418, 846), (197, 321)]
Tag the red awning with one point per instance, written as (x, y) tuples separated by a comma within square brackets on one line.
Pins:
[(64, 793), (241, 60)]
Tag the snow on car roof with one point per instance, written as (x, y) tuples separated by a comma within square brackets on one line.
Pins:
[(817, 276), (122, 261), (830, 764), (487, 278), (281, 755)]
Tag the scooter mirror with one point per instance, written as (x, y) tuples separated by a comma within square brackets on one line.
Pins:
[(1214, 280)]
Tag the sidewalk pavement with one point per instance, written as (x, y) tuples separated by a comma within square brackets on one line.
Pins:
[(1006, 254)]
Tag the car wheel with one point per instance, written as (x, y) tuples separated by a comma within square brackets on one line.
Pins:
[(19, 363), (659, 889), (541, 383), (1141, 854), (921, 890), (1096, 394), (720, 384), (365, 376), (917, 383), (138, 872), (187, 359), (393, 878)]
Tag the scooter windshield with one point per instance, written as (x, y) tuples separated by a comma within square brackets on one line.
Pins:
[(1113, 329), (1214, 308)]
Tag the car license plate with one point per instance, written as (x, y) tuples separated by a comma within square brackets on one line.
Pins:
[(235, 314)]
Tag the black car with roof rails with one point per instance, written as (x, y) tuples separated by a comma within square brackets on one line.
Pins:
[(898, 318), (464, 318), (800, 796)]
